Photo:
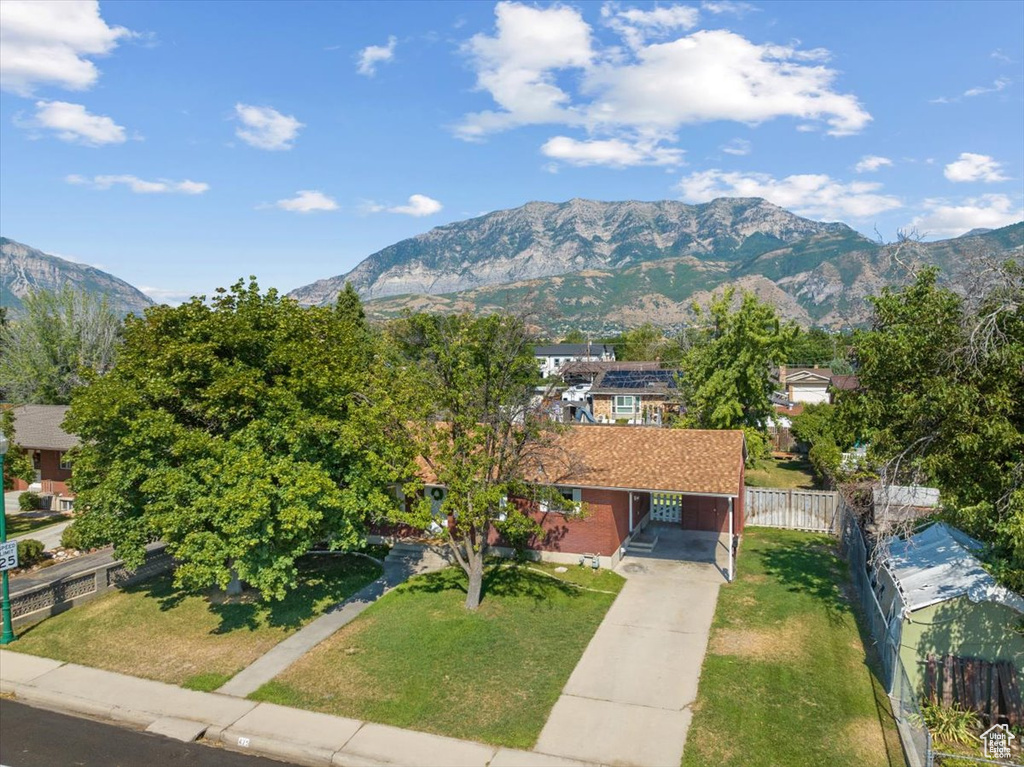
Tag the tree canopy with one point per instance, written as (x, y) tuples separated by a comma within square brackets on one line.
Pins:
[(942, 400), (241, 432), (476, 429), (59, 341), (726, 381)]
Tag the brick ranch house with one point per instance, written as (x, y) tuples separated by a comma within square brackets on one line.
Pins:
[(629, 477), (37, 429)]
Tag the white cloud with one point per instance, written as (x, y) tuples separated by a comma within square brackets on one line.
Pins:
[(517, 67), (999, 84), (739, 147), (140, 186), (307, 201), (616, 153), (946, 219), (265, 127), (169, 296), (974, 167), (637, 26), (418, 205), (542, 66), (812, 195), (46, 43), (372, 55), (72, 123), (869, 163), (728, 6)]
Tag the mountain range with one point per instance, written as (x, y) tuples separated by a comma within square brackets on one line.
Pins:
[(23, 269), (602, 267), (605, 266)]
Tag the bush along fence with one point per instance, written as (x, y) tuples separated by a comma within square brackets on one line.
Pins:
[(61, 587)]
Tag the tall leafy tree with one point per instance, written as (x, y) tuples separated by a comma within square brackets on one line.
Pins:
[(942, 395), (726, 381), (17, 462), (477, 431), (59, 341), (241, 432)]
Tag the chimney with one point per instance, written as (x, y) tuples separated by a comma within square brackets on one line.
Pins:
[(782, 373)]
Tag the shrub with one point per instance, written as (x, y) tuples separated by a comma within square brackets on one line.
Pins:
[(29, 501), (71, 538), (29, 552), (825, 456), (952, 724)]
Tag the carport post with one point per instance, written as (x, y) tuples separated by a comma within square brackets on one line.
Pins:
[(730, 539)]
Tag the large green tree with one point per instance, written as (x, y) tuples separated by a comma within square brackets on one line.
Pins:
[(726, 380), (240, 431), (17, 462), (942, 399), (58, 341), (477, 430)]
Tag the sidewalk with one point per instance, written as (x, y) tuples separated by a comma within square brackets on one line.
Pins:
[(301, 737)]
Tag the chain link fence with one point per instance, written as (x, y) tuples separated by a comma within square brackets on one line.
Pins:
[(906, 708)]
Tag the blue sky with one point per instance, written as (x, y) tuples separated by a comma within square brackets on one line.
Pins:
[(183, 145)]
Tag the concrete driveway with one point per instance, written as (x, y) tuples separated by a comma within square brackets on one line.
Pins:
[(627, 701)]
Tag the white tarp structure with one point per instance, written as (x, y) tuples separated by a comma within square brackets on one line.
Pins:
[(937, 565)]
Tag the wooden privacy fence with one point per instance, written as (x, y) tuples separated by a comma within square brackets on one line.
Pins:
[(989, 689), (791, 509)]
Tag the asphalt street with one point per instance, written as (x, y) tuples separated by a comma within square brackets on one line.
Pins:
[(31, 737)]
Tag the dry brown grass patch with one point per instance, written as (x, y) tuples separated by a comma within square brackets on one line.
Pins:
[(783, 644), (867, 740)]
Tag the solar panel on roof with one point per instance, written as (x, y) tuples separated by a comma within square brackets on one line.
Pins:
[(638, 379)]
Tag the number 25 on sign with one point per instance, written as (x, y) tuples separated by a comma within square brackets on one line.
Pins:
[(8, 555)]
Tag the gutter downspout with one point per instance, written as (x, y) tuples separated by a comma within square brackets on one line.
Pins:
[(730, 540), (631, 511)]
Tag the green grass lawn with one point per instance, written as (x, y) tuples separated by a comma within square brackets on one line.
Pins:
[(19, 524), (155, 631), (786, 681), (418, 659), (785, 473)]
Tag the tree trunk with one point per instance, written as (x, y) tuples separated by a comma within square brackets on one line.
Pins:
[(476, 579), (234, 585)]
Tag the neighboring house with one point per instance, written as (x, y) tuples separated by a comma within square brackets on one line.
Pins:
[(628, 477), (939, 600), (634, 396), (807, 385), (37, 429), (552, 358)]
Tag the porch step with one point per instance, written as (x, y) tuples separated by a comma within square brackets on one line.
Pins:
[(417, 556), (645, 542)]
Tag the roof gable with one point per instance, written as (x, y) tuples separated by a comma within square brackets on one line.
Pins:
[(38, 427)]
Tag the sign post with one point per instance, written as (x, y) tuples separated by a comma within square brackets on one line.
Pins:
[(9, 560)]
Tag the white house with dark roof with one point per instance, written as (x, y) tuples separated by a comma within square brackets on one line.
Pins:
[(552, 358)]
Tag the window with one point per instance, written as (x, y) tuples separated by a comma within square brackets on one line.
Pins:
[(625, 404), (65, 463), (67, 504)]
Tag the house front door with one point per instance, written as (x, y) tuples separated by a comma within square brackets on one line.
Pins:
[(667, 507)]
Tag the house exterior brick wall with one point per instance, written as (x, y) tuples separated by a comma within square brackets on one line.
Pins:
[(54, 479)]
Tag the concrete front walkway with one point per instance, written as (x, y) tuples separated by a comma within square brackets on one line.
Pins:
[(627, 702), (300, 737), (284, 654)]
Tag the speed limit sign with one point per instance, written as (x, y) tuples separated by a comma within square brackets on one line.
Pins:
[(8, 555)]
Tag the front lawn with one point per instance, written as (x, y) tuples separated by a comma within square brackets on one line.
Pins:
[(786, 680), (418, 659), (785, 473), (155, 631), (20, 524)]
